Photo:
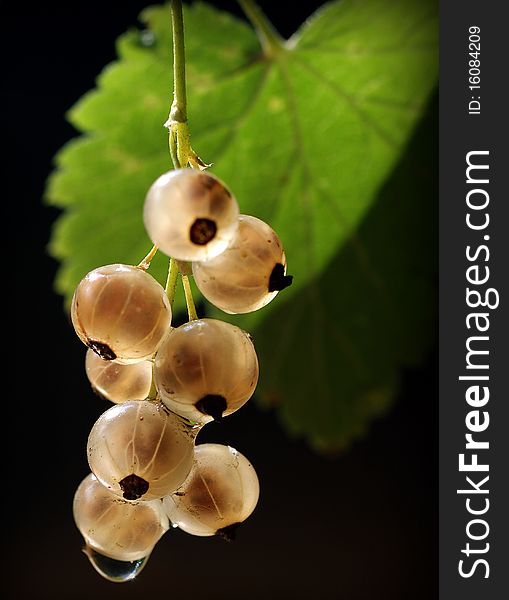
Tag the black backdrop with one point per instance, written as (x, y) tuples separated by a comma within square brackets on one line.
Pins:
[(356, 527)]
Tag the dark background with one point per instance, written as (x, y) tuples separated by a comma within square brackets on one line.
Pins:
[(356, 527)]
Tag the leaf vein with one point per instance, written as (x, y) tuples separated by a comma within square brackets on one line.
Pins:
[(351, 101)]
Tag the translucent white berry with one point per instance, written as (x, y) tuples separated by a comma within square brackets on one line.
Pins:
[(206, 369), (221, 492), (140, 451), (121, 530), (121, 312), (190, 215), (249, 273), (117, 382)]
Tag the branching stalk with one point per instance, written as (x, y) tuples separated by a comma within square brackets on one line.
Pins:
[(145, 263)]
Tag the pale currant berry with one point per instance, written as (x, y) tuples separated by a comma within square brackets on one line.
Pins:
[(221, 492), (121, 312), (206, 369), (190, 215), (117, 382), (249, 273), (139, 450), (121, 530)]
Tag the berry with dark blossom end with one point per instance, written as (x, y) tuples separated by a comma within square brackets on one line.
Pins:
[(206, 369), (121, 312), (190, 214), (220, 493), (249, 273), (121, 530), (140, 451)]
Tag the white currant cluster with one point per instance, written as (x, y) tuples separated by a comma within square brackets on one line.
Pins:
[(166, 383)]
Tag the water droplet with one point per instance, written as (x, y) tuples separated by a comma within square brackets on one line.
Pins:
[(118, 571)]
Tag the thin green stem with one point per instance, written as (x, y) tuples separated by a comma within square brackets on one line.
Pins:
[(180, 148), (182, 155), (145, 263), (179, 106), (272, 43), (191, 308), (173, 144), (171, 281)]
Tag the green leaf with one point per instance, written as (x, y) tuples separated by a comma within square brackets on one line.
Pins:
[(333, 356), (305, 140)]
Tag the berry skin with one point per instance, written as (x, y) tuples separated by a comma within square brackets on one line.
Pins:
[(140, 451), (249, 273), (206, 369), (190, 215), (118, 529), (117, 382), (221, 492), (121, 312)]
